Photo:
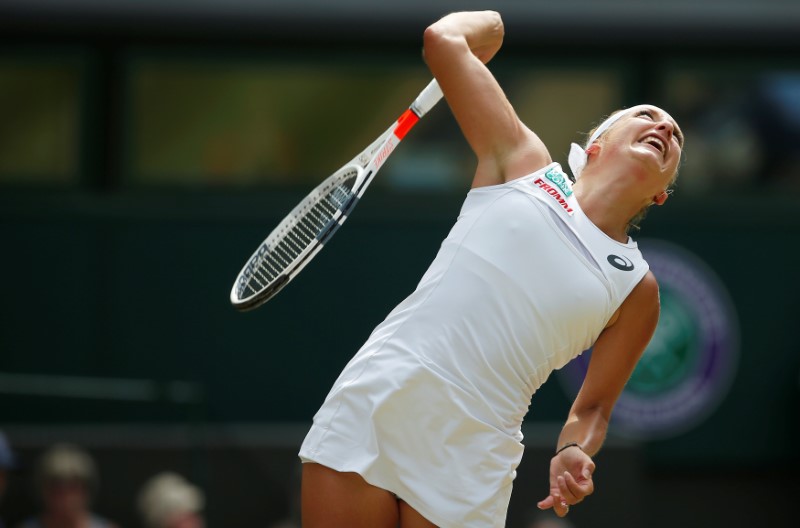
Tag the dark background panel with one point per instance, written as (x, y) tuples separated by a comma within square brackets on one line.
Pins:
[(115, 326)]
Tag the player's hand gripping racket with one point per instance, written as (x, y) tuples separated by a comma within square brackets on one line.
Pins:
[(306, 229)]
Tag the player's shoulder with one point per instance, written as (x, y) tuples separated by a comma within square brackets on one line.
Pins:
[(641, 307), (649, 283), (644, 295)]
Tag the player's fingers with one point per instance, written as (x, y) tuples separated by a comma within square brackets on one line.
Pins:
[(560, 506), (579, 489), (588, 470), (546, 503), (566, 493)]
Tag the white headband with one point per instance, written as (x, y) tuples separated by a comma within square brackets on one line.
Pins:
[(578, 158)]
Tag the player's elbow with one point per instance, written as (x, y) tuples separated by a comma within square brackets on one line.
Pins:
[(480, 26), (439, 39)]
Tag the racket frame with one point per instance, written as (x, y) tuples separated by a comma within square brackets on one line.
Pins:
[(367, 163)]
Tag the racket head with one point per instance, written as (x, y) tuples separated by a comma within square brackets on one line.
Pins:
[(296, 239)]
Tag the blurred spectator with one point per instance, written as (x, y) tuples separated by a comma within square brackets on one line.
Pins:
[(168, 500), (7, 463), (741, 131), (66, 478), (775, 116)]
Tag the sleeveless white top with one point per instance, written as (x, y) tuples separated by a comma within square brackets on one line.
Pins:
[(431, 406)]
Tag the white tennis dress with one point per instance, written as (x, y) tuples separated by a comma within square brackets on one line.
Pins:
[(431, 406)]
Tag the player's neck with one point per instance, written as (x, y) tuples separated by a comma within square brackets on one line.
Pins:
[(610, 207)]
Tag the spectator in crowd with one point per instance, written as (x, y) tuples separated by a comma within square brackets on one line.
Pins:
[(7, 463), (66, 479), (168, 500)]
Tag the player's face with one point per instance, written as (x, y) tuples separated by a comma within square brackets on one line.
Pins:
[(651, 136)]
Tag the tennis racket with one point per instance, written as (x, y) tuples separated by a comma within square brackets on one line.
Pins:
[(311, 224)]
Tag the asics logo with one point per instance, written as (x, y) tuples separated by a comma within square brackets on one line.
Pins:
[(621, 263)]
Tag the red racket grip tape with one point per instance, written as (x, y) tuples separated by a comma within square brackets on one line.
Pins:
[(405, 122)]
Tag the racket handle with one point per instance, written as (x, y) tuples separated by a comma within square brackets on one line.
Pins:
[(427, 98)]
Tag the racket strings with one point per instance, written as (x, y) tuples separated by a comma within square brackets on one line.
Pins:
[(291, 242)]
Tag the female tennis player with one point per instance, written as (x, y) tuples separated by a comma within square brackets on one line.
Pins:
[(422, 428)]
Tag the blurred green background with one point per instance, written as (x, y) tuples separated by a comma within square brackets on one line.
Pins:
[(147, 148)]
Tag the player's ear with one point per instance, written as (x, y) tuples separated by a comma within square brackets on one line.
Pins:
[(660, 198), (594, 148)]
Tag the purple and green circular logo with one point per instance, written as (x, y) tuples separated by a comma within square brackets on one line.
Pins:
[(689, 364)]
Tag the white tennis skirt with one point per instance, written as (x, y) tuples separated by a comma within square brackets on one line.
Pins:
[(401, 426)]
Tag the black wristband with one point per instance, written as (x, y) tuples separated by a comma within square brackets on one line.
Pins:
[(570, 444)]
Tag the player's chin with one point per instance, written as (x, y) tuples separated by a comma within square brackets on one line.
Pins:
[(655, 167), (641, 162), (662, 174), (648, 156)]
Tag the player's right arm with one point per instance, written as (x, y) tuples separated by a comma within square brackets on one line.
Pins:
[(456, 50)]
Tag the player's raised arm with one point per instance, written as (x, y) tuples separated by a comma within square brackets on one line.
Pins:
[(457, 47)]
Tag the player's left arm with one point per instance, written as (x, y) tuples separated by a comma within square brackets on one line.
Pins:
[(614, 356)]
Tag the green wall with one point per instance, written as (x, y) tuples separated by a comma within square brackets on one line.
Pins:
[(135, 286)]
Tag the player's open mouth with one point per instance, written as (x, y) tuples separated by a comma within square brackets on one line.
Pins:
[(655, 142)]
